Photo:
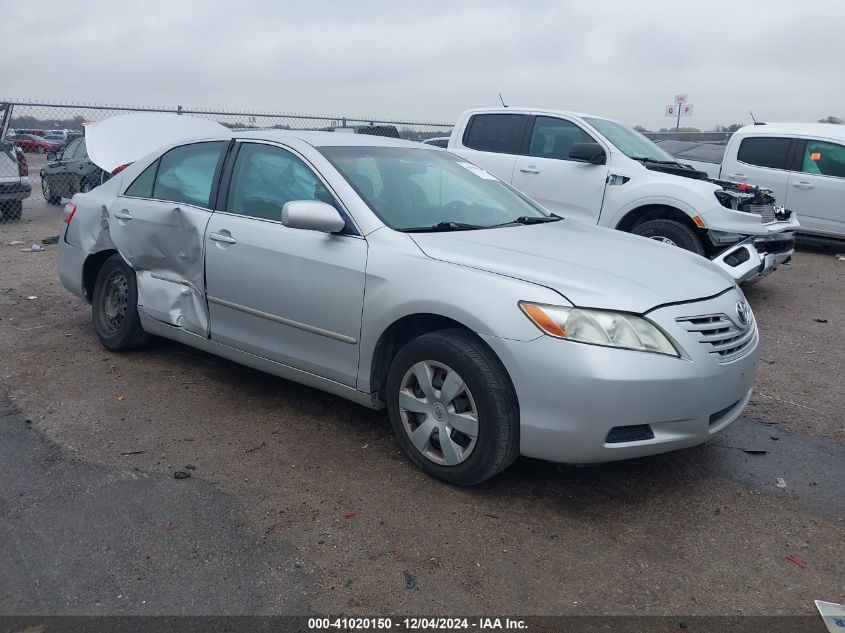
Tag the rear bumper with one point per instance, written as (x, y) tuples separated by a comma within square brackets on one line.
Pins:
[(756, 257), (17, 190)]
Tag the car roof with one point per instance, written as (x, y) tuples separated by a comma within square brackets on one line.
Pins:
[(524, 110), (825, 130), (325, 139)]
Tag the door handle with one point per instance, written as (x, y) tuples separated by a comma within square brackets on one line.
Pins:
[(221, 237), (736, 175), (529, 170), (123, 215), (802, 184)]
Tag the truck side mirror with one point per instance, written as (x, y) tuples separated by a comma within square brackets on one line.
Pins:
[(588, 153)]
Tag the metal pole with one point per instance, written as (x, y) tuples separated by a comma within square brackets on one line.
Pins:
[(678, 124)]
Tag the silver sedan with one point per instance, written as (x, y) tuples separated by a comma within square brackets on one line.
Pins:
[(403, 277)]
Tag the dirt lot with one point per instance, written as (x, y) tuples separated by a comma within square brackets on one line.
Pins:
[(300, 502)]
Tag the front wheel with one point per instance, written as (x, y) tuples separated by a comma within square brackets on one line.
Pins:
[(670, 232), (47, 191), (114, 306), (453, 407)]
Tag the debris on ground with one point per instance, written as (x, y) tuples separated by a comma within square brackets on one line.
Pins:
[(181, 474), (53, 239), (15, 243), (35, 248), (795, 560), (190, 467), (754, 451), (410, 581), (133, 453), (256, 448), (820, 320), (32, 297), (121, 398), (350, 516), (781, 483)]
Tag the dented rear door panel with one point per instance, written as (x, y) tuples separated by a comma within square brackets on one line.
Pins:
[(163, 242)]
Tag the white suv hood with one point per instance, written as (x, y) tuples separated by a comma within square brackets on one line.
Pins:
[(591, 266)]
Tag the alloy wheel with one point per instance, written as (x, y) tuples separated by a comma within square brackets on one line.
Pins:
[(438, 413)]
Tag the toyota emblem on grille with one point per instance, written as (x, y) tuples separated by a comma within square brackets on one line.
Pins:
[(742, 312)]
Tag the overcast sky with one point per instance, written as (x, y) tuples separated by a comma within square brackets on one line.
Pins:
[(431, 60)]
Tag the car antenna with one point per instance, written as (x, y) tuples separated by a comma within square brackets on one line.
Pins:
[(504, 105), (755, 120)]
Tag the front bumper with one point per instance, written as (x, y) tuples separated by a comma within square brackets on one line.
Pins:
[(571, 395), (756, 257)]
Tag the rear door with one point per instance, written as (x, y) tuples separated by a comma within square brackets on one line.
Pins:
[(289, 295), (762, 161), (158, 225), (569, 188), (493, 141), (817, 187), (61, 176)]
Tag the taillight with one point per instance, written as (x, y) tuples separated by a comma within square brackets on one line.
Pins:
[(70, 209), (119, 169), (23, 166), (744, 187)]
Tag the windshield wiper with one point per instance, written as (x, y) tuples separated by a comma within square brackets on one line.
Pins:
[(444, 226), (533, 219)]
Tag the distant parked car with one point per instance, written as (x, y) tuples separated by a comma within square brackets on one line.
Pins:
[(14, 182), (37, 144), (70, 172), (56, 137), (33, 131)]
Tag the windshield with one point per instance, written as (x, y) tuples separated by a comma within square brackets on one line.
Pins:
[(411, 188), (628, 141)]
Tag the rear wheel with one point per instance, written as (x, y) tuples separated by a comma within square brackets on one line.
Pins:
[(114, 306), (39, 150), (85, 186), (670, 232), (11, 210), (453, 407)]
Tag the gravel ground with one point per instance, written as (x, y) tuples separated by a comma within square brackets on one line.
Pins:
[(300, 502)]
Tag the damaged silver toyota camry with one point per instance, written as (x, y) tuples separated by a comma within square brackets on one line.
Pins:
[(403, 277)]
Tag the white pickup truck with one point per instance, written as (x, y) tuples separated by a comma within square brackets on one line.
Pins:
[(598, 171), (802, 163)]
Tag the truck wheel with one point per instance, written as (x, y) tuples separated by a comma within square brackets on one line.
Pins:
[(114, 306), (453, 407), (670, 232), (11, 210)]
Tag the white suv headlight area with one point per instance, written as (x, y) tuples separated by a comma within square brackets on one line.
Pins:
[(599, 327)]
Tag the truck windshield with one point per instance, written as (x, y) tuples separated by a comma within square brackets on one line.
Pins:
[(628, 141), (413, 189)]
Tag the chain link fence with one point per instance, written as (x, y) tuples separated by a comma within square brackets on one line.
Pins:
[(43, 156)]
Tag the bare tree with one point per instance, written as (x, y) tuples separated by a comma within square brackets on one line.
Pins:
[(832, 119)]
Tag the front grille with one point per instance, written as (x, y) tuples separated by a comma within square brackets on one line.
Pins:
[(721, 337), (765, 211)]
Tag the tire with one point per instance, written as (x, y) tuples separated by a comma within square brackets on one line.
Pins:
[(486, 392), (11, 210), (40, 150), (85, 186), (47, 193), (670, 232), (114, 307)]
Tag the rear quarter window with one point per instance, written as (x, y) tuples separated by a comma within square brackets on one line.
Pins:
[(500, 133), (765, 151)]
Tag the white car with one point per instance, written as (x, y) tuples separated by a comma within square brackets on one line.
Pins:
[(802, 163), (598, 171)]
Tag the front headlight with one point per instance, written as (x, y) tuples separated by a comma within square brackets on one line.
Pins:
[(599, 327)]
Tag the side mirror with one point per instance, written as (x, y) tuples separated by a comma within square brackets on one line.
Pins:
[(312, 215), (51, 157), (588, 153)]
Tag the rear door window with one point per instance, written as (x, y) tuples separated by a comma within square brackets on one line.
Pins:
[(500, 133), (823, 158), (765, 151), (186, 173), (142, 186), (553, 138)]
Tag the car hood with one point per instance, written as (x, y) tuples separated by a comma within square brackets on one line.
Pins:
[(591, 266)]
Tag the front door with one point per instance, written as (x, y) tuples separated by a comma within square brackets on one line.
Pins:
[(569, 188), (289, 295), (816, 189)]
